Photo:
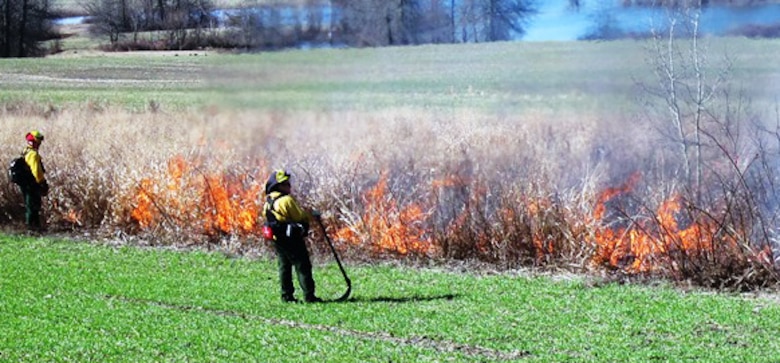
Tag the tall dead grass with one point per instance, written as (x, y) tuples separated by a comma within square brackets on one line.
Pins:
[(508, 190)]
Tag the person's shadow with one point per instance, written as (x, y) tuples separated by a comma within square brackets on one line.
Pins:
[(393, 299)]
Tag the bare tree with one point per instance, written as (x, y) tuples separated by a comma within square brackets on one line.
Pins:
[(110, 18), (605, 24), (364, 22), (506, 17), (431, 22), (25, 24), (311, 24), (471, 21), (687, 89), (394, 22), (493, 20), (178, 18), (277, 25), (723, 163)]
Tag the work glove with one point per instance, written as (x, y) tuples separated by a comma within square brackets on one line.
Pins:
[(44, 188)]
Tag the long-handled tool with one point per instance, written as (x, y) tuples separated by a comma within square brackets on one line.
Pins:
[(338, 261)]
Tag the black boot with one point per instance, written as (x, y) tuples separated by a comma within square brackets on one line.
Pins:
[(289, 299), (313, 299)]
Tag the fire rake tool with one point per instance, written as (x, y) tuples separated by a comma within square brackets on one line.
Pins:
[(338, 261)]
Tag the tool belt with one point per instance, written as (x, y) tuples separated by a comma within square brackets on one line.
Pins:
[(284, 230)]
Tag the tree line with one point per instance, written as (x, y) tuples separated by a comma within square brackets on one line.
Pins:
[(193, 24), (354, 23)]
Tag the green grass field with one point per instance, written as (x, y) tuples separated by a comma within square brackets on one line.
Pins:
[(72, 301), (131, 81), (566, 77)]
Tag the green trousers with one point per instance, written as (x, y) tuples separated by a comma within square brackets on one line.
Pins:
[(292, 253), (32, 206)]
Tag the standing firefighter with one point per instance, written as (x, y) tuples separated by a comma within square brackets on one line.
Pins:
[(37, 186), (287, 225)]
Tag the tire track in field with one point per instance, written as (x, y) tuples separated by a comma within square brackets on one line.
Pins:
[(19, 78), (439, 345)]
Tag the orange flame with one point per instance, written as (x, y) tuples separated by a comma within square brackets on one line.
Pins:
[(645, 245), (73, 216), (219, 203), (232, 209), (143, 211), (392, 228)]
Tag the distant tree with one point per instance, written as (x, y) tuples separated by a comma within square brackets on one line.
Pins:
[(24, 25), (110, 18), (508, 16), (405, 27), (349, 21), (470, 21), (433, 22), (274, 25), (363, 22), (392, 22), (179, 19), (494, 20), (311, 26), (605, 24)]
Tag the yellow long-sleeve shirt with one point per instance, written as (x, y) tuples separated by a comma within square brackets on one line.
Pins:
[(286, 209), (33, 159)]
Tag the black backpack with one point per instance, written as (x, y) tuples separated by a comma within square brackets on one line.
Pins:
[(281, 230), (19, 172)]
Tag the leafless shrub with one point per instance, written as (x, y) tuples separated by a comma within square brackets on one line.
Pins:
[(720, 233)]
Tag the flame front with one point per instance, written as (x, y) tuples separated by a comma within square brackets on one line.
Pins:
[(646, 245), (392, 228), (231, 208), (219, 203), (143, 211)]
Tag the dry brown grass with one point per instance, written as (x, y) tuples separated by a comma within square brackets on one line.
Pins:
[(513, 190)]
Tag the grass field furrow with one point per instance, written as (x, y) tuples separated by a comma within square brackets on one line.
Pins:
[(416, 341)]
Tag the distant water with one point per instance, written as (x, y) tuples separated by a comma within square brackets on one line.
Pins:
[(70, 20), (557, 21)]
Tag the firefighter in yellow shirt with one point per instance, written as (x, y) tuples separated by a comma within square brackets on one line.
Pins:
[(287, 225), (37, 187)]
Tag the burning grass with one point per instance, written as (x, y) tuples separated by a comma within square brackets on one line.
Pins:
[(401, 184)]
